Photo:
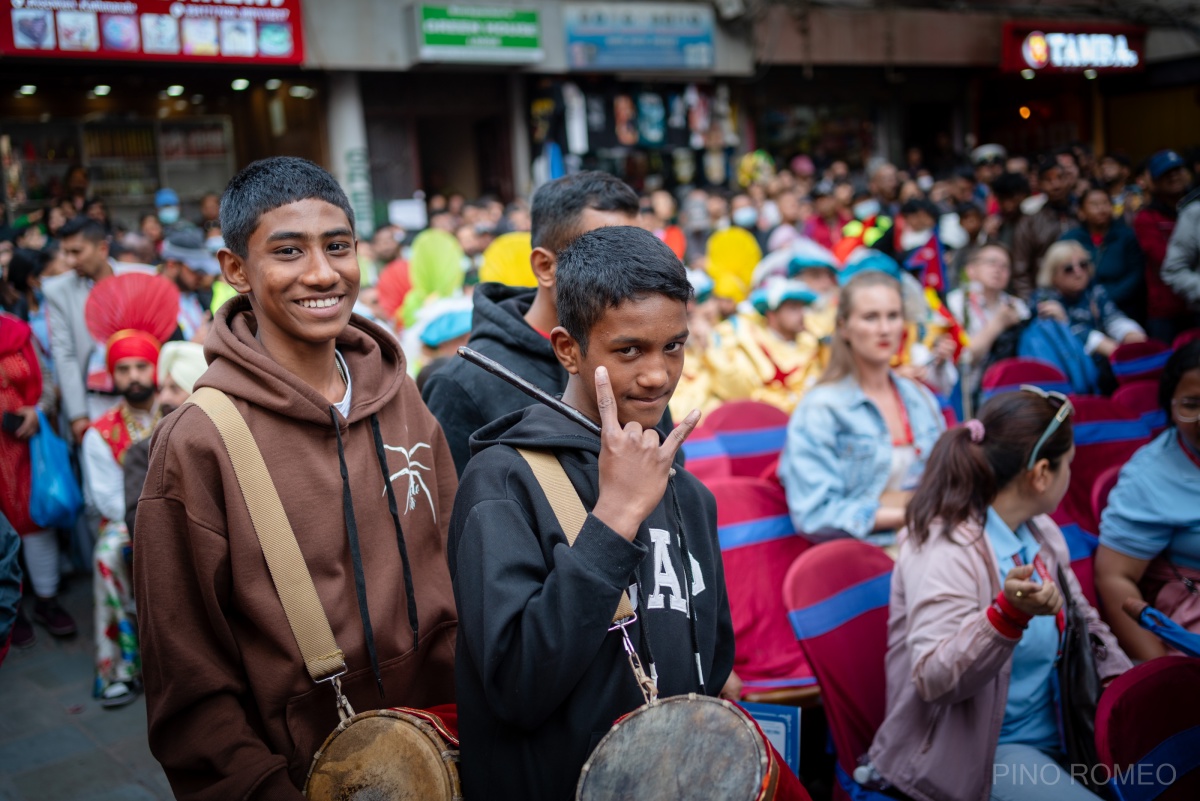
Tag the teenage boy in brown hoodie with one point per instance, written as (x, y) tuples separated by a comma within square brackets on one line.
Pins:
[(232, 711)]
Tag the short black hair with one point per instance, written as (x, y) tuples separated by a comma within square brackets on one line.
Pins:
[(91, 230), (1048, 163), (268, 184), (916, 205), (1185, 359), (558, 205), (608, 266), (1010, 185)]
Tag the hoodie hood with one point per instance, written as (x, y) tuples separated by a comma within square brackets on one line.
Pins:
[(500, 317), (240, 366), (537, 427)]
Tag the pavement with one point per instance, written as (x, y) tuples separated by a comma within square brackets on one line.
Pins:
[(56, 742)]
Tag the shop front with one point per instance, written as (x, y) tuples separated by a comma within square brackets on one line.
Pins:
[(149, 94)]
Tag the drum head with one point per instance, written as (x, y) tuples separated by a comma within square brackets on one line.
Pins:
[(683, 747), (384, 755)]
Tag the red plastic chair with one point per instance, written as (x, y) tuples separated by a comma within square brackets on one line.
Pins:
[(704, 457), (1147, 733), (1102, 488), (758, 545), (1106, 435), (750, 433), (1190, 335), (1139, 361), (1007, 375), (837, 596), (1141, 398)]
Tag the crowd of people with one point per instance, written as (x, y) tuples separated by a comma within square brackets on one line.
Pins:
[(864, 305)]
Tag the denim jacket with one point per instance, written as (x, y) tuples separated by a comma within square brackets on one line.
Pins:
[(839, 454)]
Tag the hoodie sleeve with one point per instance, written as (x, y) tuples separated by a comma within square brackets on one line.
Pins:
[(530, 631), (455, 409), (198, 704)]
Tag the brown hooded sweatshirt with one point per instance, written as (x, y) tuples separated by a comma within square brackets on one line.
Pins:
[(233, 714)]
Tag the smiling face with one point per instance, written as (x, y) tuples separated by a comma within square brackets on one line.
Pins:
[(641, 342), (301, 275), (873, 325)]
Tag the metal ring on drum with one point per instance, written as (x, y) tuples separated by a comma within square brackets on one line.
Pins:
[(686, 747), (385, 755)]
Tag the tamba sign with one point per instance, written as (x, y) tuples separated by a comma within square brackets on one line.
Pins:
[(1071, 47)]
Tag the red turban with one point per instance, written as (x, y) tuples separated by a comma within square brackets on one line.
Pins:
[(130, 343)]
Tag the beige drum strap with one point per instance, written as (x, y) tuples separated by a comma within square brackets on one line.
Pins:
[(289, 573), (566, 505)]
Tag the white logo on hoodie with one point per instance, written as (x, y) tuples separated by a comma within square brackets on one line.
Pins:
[(416, 481)]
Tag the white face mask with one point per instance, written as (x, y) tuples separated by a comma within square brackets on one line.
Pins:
[(925, 183), (910, 240), (745, 217), (168, 215), (866, 208), (214, 243)]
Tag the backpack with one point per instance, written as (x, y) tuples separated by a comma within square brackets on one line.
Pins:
[(1052, 341)]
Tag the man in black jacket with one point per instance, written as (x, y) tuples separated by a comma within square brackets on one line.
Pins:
[(540, 673), (512, 324)]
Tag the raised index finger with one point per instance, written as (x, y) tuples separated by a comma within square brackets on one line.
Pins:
[(605, 402), (676, 438)]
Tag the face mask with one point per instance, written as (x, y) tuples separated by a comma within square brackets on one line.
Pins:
[(771, 215), (910, 240), (214, 243), (745, 217), (168, 215), (925, 183), (866, 208)]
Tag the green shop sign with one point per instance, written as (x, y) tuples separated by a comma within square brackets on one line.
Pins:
[(480, 34)]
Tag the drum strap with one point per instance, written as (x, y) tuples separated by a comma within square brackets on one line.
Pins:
[(566, 505), (289, 573)]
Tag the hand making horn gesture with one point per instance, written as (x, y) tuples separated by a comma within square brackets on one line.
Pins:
[(634, 467)]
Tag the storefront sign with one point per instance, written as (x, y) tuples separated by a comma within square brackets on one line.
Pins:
[(478, 34), (1054, 47), (215, 31), (639, 36)]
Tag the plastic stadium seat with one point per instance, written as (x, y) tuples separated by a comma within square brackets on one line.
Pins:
[(750, 433), (1190, 335), (1139, 361), (1141, 398), (1101, 489), (704, 457), (1147, 731), (1007, 375), (837, 596), (758, 545)]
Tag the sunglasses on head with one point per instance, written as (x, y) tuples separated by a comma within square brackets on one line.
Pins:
[(1082, 266), (1065, 410)]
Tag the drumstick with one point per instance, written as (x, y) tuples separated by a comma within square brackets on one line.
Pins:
[(537, 393)]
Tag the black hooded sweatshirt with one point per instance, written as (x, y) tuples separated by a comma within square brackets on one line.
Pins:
[(464, 398), (539, 676)]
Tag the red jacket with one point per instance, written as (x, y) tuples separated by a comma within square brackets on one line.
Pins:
[(1153, 226)]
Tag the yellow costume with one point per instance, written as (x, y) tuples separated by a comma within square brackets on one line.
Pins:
[(749, 361)]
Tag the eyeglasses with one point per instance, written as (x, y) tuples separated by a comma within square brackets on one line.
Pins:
[(1082, 266), (1065, 410), (1187, 410)]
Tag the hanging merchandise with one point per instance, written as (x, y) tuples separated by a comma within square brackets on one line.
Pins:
[(755, 167), (723, 117), (716, 167), (601, 129), (625, 117), (651, 120), (575, 112), (685, 165), (698, 115), (541, 112), (677, 121)]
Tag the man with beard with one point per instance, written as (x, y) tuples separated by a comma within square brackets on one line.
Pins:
[(132, 315)]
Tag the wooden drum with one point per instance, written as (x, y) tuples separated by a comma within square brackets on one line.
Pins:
[(685, 747), (387, 755)]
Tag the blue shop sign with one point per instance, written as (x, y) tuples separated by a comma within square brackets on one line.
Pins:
[(639, 36)]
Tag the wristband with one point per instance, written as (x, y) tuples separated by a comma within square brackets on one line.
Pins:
[(1003, 625), (1006, 606)]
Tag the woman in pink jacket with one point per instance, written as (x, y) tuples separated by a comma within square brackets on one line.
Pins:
[(972, 630)]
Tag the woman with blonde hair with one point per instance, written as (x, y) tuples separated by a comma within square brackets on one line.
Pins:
[(1066, 292), (858, 441)]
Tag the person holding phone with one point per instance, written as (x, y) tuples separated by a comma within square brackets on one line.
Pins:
[(25, 386)]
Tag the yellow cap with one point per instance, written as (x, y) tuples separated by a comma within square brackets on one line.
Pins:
[(506, 260)]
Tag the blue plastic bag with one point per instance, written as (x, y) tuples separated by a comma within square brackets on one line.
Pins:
[(1052, 341), (55, 499)]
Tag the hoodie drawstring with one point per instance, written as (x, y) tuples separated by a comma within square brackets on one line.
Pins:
[(410, 595), (687, 573), (360, 582)]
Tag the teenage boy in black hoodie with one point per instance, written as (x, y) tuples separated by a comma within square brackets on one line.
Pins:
[(512, 324), (540, 677)]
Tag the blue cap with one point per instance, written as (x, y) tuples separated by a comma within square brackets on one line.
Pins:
[(165, 197), (1163, 162), (447, 326), (777, 290), (869, 260)]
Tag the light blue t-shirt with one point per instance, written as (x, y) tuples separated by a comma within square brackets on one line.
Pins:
[(1030, 717), (1155, 506)]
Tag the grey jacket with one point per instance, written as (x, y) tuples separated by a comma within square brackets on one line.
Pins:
[(1181, 267), (948, 668)]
